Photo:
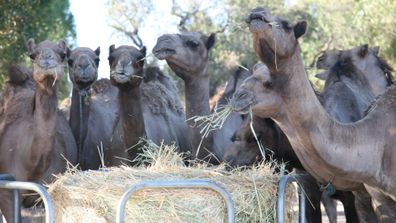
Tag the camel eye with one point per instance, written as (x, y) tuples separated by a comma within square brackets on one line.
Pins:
[(286, 25), (70, 62), (235, 138), (32, 56), (251, 140), (192, 43), (267, 84)]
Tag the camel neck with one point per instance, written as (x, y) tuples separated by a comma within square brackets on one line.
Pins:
[(79, 114), (308, 127), (131, 115), (45, 118), (197, 97), (197, 104)]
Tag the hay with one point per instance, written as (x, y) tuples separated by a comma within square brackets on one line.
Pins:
[(92, 196)]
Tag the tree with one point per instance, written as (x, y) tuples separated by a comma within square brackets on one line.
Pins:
[(343, 25), (38, 19)]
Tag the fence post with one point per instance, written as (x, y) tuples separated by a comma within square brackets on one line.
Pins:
[(176, 184), (280, 204)]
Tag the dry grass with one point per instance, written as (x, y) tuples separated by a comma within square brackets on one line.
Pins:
[(92, 196)]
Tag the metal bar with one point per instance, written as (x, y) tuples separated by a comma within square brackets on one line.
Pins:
[(280, 204), (20, 185), (17, 201), (176, 184), (17, 205)]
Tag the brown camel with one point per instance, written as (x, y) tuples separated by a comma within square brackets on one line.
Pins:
[(147, 106), (93, 103), (35, 137), (187, 55), (282, 92)]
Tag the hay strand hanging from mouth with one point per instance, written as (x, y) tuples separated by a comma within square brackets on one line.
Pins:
[(92, 196)]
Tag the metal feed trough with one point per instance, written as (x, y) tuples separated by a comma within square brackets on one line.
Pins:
[(280, 204), (176, 184), (8, 182)]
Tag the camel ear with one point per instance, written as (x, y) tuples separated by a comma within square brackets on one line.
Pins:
[(111, 50), (210, 41), (31, 46), (376, 50), (62, 44), (97, 51), (322, 76), (300, 28), (363, 50), (143, 51)]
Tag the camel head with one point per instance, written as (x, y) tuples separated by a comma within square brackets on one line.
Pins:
[(365, 59), (243, 150), (83, 66), (126, 65), (47, 58), (274, 38), (259, 92), (186, 53)]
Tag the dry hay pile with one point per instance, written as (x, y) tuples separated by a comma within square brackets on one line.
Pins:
[(93, 196)]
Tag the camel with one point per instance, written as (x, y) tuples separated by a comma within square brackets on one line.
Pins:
[(187, 55), (282, 91), (35, 139), (244, 151), (148, 106), (375, 69), (348, 94), (93, 103)]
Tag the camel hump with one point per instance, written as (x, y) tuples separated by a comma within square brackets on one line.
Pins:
[(18, 73), (101, 86), (152, 73)]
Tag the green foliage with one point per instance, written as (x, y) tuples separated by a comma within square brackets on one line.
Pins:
[(38, 19), (343, 24)]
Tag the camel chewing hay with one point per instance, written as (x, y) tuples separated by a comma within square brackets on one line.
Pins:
[(92, 196)]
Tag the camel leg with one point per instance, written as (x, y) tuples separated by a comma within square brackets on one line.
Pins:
[(384, 206), (330, 206), (313, 213), (348, 201), (7, 205), (364, 207)]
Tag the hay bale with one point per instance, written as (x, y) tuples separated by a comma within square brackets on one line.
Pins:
[(92, 196)]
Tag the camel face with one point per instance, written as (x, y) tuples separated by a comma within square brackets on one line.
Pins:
[(126, 65), (327, 59), (275, 37), (376, 70), (244, 150), (185, 53), (257, 92), (83, 66), (47, 58)]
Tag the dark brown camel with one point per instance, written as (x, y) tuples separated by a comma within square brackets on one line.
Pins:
[(286, 96), (93, 106), (147, 106), (187, 55), (35, 137), (244, 151)]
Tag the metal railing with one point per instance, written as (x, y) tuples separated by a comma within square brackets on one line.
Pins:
[(6, 183), (176, 184), (280, 204)]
